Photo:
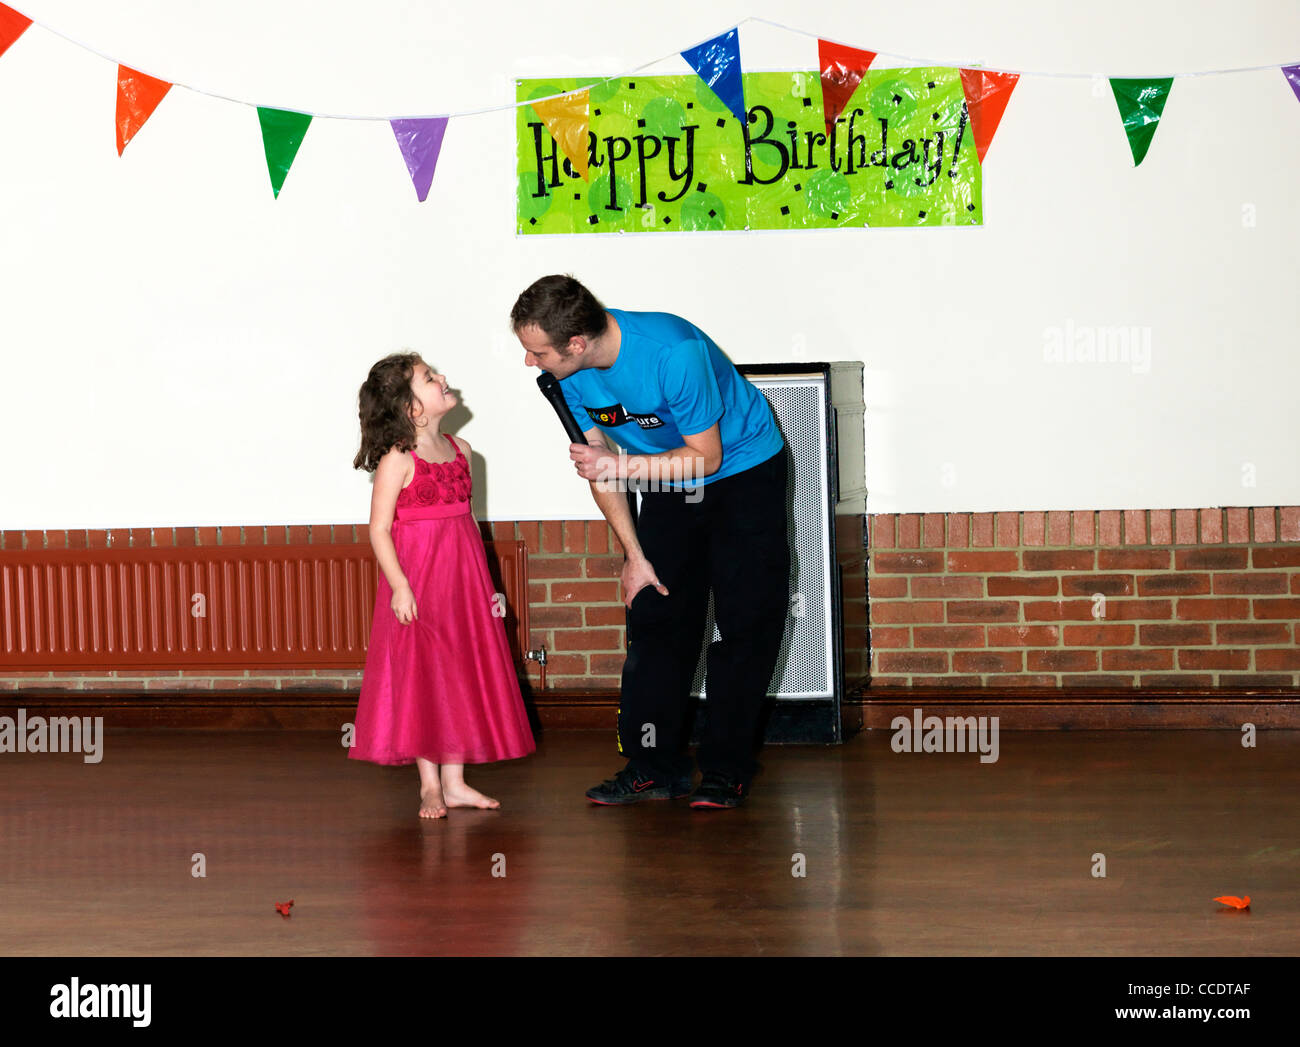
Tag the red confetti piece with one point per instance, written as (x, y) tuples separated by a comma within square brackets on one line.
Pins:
[(283, 907)]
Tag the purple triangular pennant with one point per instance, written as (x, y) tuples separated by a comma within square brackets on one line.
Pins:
[(420, 142), (1292, 74)]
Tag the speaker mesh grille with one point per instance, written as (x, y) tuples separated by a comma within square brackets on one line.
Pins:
[(805, 664)]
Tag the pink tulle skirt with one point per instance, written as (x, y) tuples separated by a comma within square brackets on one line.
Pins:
[(444, 686)]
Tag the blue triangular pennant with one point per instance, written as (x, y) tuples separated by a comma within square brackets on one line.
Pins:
[(717, 62)]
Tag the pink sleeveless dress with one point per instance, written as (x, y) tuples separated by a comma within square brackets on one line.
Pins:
[(444, 686)]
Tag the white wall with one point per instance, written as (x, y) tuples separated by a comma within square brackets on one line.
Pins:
[(181, 348)]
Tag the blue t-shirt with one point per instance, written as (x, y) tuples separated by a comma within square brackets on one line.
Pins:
[(670, 378)]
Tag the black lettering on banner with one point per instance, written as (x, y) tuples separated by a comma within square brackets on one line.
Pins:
[(961, 133), (594, 159), (906, 156), (814, 138), (688, 175), (880, 158), (642, 156), (542, 160), (762, 139), (614, 158), (933, 168), (859, 140)]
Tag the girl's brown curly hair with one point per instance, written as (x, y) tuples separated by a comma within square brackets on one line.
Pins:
[(385, 403)]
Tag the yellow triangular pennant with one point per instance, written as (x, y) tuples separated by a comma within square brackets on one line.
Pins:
[(567, 118)]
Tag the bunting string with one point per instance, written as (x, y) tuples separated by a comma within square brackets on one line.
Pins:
[(1027, 72), (715, 60), (663, 58)]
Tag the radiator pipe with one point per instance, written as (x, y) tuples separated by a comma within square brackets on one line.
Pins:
[(540, 658)]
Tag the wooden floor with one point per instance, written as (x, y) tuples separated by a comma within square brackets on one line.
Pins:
[(906, 854)]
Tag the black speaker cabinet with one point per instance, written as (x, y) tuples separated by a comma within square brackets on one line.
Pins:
[(819, 409)]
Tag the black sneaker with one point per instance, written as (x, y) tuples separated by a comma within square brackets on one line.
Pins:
[(631, 786), (719, 790)]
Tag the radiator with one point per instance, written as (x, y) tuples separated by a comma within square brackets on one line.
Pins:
[(209, 607)]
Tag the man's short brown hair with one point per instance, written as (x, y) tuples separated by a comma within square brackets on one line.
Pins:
[(562, 308)]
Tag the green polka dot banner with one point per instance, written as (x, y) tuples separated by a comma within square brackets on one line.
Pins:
[(665, 155)]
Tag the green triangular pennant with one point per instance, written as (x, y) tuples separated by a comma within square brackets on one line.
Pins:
[(1140, 104), (282, 133)]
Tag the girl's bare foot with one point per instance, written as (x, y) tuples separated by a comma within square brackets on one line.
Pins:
[(431, 802), (463, 796)]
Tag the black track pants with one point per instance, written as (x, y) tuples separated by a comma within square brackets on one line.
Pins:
[(734, 538)]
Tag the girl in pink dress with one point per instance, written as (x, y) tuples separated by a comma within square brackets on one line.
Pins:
[(439, 688)]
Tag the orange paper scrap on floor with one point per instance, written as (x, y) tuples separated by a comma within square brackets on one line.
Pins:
[(1234, 901)]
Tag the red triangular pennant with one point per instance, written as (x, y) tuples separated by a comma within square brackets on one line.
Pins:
[(842, 69), (987, 95), (12, 26), (138, 96)]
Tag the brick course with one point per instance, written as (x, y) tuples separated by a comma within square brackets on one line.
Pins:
[(1130, 598), (1136, 598)]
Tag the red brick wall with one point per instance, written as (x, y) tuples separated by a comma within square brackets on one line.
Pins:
[(575, 607), (1207, 597), (575, 604)]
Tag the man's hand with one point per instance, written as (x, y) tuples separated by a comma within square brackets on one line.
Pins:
[(596, 463), (637, 574)]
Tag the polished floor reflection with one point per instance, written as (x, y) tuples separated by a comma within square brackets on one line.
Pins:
[(900, 853)]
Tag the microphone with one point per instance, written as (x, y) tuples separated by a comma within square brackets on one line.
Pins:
[(550, 387)]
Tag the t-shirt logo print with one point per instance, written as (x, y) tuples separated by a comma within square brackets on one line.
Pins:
[(618, 415), (613, 415)]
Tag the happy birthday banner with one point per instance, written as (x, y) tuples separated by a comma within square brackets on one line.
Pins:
[(718, 150), (667, 154)]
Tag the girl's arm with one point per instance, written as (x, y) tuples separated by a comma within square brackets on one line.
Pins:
[(389, 475)]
